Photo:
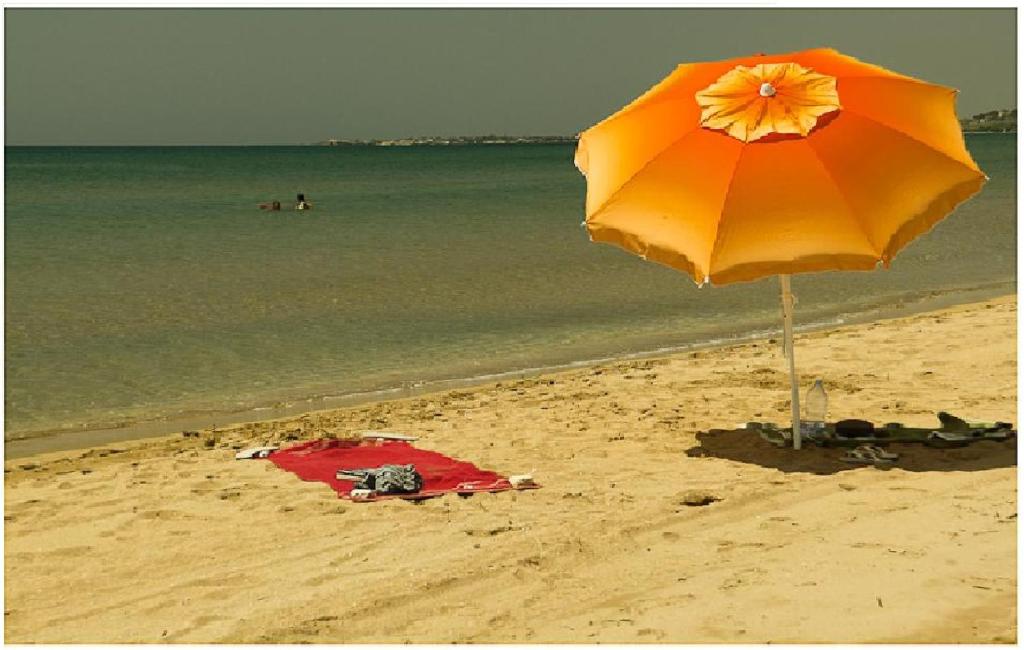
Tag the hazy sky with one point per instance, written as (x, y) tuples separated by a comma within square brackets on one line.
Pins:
[(277, 76)]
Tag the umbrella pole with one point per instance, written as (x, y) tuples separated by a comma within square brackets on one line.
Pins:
[(787, 331)]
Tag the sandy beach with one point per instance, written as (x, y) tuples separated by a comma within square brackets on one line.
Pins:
[(171, 540)]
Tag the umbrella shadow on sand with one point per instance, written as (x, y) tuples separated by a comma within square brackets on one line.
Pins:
[(746, 446)]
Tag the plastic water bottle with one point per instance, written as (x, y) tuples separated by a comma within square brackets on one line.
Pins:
[(815, 409)]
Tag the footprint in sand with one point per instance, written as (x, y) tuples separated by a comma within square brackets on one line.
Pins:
[(651, 632), (162, 514), (207, 485), (320, 579), (746, 577), (161, 606), (193, 625), (105, 503)]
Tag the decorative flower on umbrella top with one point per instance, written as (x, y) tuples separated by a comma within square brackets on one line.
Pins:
[(749, 103)]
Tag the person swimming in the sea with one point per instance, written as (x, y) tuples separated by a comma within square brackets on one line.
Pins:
[(301, 203)]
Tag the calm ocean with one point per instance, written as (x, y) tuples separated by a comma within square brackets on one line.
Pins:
[(144, 283)]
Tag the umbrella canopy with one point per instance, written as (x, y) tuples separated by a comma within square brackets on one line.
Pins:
[(810, 161), (776, 164)]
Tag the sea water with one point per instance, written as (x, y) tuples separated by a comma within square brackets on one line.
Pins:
[(145, 283)]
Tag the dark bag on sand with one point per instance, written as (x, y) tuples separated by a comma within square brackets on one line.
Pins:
[(854, 428)]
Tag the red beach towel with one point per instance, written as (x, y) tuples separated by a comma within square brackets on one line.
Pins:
[(319, 460)]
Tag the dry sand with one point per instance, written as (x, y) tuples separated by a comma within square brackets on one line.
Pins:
[(170, 540)]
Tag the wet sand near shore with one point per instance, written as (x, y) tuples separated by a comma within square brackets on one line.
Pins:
[(23, 444), (171, 540)]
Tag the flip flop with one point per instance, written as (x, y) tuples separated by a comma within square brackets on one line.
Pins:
[(255, 452), (387, 435), (880, 453), (868, 455)]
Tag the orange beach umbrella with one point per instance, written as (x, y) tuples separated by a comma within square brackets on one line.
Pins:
[(734, 170)]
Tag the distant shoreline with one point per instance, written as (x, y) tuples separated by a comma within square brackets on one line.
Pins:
[(401, 142), (457, 140)]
